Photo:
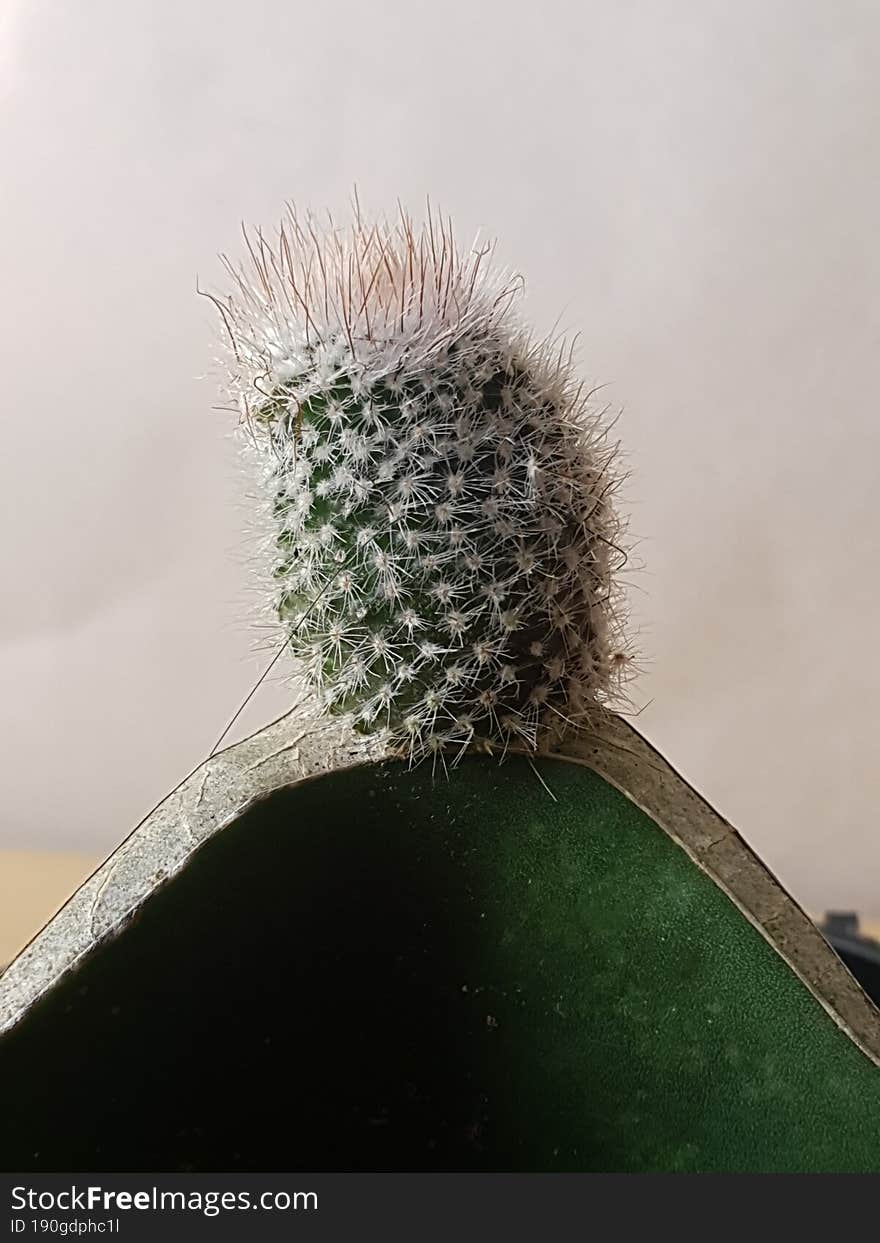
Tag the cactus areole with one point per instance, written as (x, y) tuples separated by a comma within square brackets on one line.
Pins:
[(444, 541)]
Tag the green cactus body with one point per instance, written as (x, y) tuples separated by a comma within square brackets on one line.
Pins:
[(441, 500)]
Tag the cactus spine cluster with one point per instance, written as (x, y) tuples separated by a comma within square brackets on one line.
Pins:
[(441, 487)]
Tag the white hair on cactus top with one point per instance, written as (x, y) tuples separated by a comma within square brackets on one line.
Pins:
[(440, 484)]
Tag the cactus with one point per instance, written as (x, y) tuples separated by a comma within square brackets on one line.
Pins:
[(440, 484), (490, 979)]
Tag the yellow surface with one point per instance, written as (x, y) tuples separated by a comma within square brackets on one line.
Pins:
[(33, 885)]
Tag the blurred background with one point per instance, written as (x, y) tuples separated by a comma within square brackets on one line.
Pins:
[(693, 185)]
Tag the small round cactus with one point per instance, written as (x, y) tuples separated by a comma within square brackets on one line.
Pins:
[(440, 484)]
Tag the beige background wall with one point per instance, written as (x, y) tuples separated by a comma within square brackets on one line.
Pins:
[(695, 185)]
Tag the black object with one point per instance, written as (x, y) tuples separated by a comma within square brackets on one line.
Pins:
[(861, 954)]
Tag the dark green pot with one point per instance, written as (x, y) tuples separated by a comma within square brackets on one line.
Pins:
[(378, 970)]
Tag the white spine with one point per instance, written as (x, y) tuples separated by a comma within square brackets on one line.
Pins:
[(440, 486)]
